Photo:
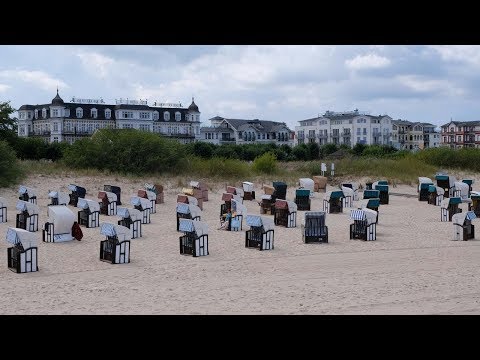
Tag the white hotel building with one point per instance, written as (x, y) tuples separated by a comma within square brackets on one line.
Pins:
[(70, 121), (348, 128)]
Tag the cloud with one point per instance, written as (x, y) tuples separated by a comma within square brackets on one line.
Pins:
[(421, 84), (459, 53), (4, 87), (370, 61), (95, 63), (36, 78)]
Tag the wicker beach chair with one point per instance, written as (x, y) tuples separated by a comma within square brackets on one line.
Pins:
[(132, 219), (115, 249), (59, 226), (261, 233), (27, 194), (195, 239), (90, 213), (23, 255), (313, 227), (463, 229), (27, 218), (364, 225)]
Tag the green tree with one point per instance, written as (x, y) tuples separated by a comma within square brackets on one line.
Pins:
[(8, 124), (10, 171)]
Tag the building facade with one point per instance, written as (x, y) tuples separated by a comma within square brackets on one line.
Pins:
[(240, 131), (458, 134), (407, 135), (345, 128), (70, 121)]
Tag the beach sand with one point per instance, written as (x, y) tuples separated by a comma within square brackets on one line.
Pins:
[(413, 267)]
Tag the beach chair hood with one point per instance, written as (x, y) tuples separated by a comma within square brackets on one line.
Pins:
[(364, 215), (314, 215), (258, 221), (199, 227), (20, 236), (121, 232), (460, 218), (31, 208), (62, 218), (307, 183), (239, 208), (463, 187), (247, 186), (448, 201), (88, 204), (26, 190)]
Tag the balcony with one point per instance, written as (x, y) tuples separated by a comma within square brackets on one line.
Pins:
[(322, 136), (335, 135), (227, 141), (346, 134)]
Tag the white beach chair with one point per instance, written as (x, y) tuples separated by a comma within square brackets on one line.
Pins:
[(261, 233), (364, 224), (463, 228), (90, 213), (144, 206), (27, 194), (27, 219), (187, 211), (58, 198), (58, 228), (195, 239), (132, 219)]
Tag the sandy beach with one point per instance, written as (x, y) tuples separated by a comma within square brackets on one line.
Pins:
[(413, 267)]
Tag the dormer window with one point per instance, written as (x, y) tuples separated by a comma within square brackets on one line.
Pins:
[(166, 116), (155, 115), (79, 112), (108, 113), (21, 115), (44, 113), (67, 112), (178, 116), (55, 113), (93, 113), (36, 113)]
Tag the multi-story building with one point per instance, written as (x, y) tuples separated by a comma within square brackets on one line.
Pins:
[(70, 121), (407, 135), (345, 128), (240, 131), (458, 134)]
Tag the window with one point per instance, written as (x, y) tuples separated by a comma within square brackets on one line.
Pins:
[(55, 126), (263, 136), (166, 116), (364, 131), (44, 113), (93, 113), (155, 115), (178, 116), (209, 136), (127, 114), (258, 136), (108, 113), (36, 113), (144, 115), (67, 112), (79, 112), (127, 126), (145, 127), (359, 130), (197, 117), (21, 115)]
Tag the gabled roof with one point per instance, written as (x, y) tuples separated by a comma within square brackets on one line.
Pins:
[(259, 125)]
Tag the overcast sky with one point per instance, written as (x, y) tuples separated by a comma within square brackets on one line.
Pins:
[(280, 83)]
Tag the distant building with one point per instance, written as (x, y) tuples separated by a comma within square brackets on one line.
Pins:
[(345, 128), (407, 135), (458, 134), (240, 131), (70, 121)]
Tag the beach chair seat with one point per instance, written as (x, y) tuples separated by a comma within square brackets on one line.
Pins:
[(302, 199), (435, 195), (320, 183), (313, 227), (27, 218), (132, 219), (383, 195), (461, 190), (280, 190), (27, 194), (463, 229), (333, 202), (77, 192), (248, 190), (144, 206), (115, 249), (23, 255), (449, 207), (116, 190), (447, 183), (3, 210), (187, 211), (108, 203), (423, 185), (285, 213), (364, 225), (261, 233), (150, 196), (195, 239), (59, 226), (89, 216)]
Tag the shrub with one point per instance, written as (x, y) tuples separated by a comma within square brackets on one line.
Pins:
[(10, 171), (265, 164)]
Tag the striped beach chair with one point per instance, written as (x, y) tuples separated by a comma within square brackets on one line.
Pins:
[(90, 213), (27, 218), (23, 255), (187, 211), (261, 233), (144, 206), (132, 219), (195, 239), (115, 249), (285, 213), (364, 225), (108, 203), (449, 207), (313, 227)]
